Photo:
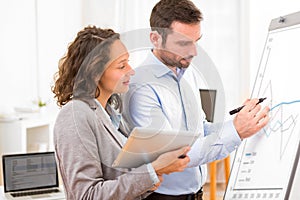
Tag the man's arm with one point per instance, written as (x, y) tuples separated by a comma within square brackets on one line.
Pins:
[(222, 138)]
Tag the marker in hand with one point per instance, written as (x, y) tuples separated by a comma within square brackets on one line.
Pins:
[(240, 108)]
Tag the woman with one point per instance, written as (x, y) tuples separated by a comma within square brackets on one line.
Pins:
[(88, 131)]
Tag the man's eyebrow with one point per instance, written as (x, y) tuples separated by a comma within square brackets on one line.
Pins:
[(123, 60), (184, 41), (190, 41)]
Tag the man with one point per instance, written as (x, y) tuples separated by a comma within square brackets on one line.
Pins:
[(164, 94)]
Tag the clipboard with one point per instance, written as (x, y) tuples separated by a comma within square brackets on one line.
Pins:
[(144, 145)]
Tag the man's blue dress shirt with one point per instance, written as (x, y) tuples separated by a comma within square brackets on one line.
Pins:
[(160, 99)]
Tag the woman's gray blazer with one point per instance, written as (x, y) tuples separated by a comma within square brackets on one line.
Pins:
[(86, 144)]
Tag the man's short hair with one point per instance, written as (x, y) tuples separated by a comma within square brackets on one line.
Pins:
[(165, 12)]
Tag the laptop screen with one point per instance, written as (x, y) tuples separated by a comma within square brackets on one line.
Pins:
[(29, 171)]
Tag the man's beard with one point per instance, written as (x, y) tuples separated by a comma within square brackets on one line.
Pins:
[(182, 63)]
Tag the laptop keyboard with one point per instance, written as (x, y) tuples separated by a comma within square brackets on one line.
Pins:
[(21, 194)]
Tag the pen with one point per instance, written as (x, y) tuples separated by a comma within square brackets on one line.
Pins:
[(182, 156), (240, 108)]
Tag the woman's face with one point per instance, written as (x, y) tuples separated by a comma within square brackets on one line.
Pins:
[(116, 77)]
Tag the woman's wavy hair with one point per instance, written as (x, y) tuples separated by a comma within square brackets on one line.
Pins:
[(81, 68)]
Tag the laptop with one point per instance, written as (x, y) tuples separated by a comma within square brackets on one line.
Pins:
[(31, 176)]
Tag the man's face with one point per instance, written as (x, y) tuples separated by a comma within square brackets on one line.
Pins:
[(180, 46)]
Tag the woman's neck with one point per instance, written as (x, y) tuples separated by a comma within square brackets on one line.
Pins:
[(103, 100)]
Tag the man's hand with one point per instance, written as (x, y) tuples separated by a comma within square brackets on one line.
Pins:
[(251, 119)]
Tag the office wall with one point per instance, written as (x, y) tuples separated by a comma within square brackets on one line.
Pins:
[(17, 51), (33, 35), (57, 25)]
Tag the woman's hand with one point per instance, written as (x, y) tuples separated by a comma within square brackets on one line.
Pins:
[(160, 177), (170, 162)]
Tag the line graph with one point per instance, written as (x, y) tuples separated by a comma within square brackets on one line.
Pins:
[(284, 103), (282, 121), (283, 125)]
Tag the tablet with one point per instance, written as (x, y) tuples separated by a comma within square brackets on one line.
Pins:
[(144, 145)]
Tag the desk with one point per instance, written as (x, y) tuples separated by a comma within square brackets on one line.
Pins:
[(26, 134)]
